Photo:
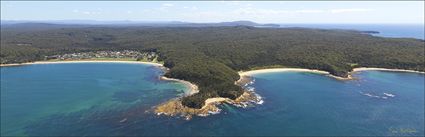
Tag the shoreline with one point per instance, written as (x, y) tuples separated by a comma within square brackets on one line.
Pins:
[(80, 61), (385, 69), (350, 77), (174, 106), (193, 88)]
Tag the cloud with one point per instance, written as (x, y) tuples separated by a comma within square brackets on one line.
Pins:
[(191, 8), (86, 12), (167, 5), (309, 11), (254, 11), (349, 10), (237, 3)]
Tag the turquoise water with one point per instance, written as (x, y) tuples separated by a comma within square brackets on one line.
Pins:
[(115, 99), (35, 92)]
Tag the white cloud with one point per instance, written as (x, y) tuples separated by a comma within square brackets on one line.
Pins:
[(309, 11), (349, 10), (98, 11), (167, 5), (87, 12), (254, 11), (263, 14), (191, 8)]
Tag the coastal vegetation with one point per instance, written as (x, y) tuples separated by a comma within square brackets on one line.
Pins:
[(211, 57)]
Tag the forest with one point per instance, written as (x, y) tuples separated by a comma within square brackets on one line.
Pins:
[(212, 56)]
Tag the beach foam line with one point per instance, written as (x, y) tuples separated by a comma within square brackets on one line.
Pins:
[(386, 95), (389, 95)]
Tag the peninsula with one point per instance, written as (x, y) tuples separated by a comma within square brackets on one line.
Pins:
[(211, 57)]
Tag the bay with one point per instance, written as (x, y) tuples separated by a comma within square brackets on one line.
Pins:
[(98, 99)]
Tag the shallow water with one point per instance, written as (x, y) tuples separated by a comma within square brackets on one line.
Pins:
[(113, 99), (34, 92)]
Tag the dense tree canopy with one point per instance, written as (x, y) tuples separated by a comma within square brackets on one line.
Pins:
[(211, 56)]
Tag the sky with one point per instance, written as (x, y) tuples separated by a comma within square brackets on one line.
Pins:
[(342, 12)]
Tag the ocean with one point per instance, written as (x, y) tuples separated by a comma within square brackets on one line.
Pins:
[(34, 93), (385, 30), (99, 99)]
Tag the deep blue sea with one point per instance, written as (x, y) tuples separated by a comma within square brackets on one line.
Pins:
[(111, 99), (385, 30)]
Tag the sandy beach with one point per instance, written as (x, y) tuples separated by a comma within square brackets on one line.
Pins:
[(174, 107), (252, 72), (79, 61), (192, 87), (350, 77), (385, 69)]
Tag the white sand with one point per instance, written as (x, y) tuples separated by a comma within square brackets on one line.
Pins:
[(82, 61), (212, 101), (192, 87), (385, 69), (253, 72)]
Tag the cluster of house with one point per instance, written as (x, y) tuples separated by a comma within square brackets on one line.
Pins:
[(105, 54)]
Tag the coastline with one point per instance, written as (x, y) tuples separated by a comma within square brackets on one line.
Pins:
[(192, 87), (207, 109), (174, 106), (79, 61), (385, 69), (350, 77), (253, 72)]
